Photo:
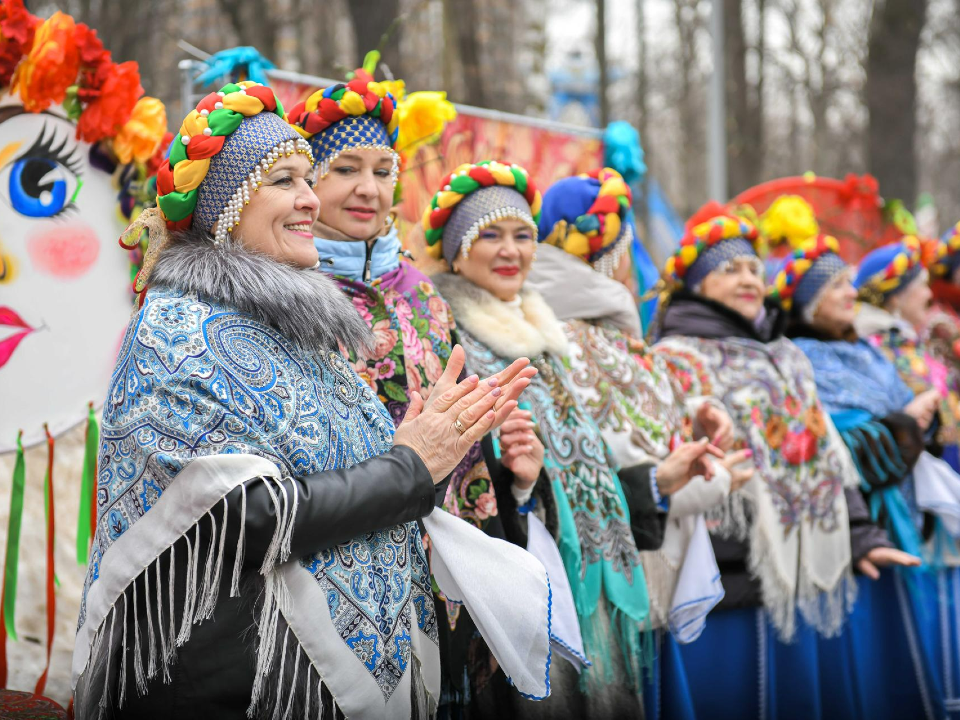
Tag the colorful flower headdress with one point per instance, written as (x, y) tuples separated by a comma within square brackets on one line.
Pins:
[(594, 233), (59, 61), (798, 264), (711, 225), (789, 219), (885, 270), (946, 252), (462, 182)]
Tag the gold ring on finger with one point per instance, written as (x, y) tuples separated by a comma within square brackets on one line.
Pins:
[(459, 426)]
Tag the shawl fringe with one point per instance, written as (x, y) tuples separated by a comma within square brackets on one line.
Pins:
[(303, 305), (158, 650)]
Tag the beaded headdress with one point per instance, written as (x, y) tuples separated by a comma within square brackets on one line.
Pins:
[(473, 197), (713, 236), (588, 216), (946, 253), (359, 114), (886, 271), (806, 272)]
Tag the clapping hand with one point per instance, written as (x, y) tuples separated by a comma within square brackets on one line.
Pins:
[(686, 462), (521, 449), (457, 415)]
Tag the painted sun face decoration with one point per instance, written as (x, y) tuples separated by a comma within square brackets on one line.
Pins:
[(64, 285)]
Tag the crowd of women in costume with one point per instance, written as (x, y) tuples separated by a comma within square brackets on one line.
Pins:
[(294, 397)]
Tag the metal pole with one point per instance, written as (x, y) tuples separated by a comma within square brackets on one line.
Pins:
[(601, 45), (717, 112)]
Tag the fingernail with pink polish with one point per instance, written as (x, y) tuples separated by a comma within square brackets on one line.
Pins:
[(492, 382), (473, 379), (748, 453), (496, 392)]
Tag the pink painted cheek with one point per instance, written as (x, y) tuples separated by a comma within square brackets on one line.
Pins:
[(67, 251)]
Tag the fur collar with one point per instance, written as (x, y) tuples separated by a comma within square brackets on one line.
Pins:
[(305, 306), (528, 331), (872, 320)]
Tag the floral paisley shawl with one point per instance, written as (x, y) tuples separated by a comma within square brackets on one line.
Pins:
[(628, 390), (921, 371), (799, 535), (195, 379), (597, 545)]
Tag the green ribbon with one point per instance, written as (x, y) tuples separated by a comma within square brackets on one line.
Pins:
[(87, 488), (13, 540)]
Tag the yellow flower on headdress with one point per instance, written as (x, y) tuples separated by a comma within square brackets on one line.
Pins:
[(423, 115), (139, 137), (789, 219), (397, 88)]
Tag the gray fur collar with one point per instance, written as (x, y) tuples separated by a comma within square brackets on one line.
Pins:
[(305, 306), (509, 333)]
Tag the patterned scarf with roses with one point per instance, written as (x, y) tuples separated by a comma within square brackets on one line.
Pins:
[(793, 512), (413, 329)]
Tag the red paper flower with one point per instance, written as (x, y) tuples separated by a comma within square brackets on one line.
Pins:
[(109, 104), (17, 28), (92, 53)]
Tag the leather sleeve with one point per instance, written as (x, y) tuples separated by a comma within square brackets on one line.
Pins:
[(865, 535), (336, 505), (647, 521), (907, 434)]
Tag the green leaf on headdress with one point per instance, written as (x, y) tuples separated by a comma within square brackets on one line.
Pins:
[(223, 122), (370, 61), (178, 151), (72, 103), (177, 205)]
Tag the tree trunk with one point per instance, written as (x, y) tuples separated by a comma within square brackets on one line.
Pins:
[(372, 19), (601, 45), (741, 142), (466, 22), (892, 95)]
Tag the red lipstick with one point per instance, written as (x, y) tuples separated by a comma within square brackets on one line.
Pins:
[(9, 318), (507, 270)]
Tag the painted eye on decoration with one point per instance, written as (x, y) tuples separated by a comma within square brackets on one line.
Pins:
[(44, 181)]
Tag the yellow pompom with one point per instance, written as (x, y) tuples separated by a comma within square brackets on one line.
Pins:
[(577, 244), (900, 263), (352, 104), (801, 266), (612, 229), (688, 255)]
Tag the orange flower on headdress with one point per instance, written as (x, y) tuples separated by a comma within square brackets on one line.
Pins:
[(51, 66), (139, 138), (109, 105)]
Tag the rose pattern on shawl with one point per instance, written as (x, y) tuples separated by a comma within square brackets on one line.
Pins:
[(625, 387), (770, 395), (195, 379), (941, 335), (921, 372), (414, 331)]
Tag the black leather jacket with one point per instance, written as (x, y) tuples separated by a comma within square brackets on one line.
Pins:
[(214, 671)]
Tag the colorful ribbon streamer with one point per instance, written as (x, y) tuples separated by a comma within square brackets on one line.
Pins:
[(51, 576), (8, 600), (87, 517)]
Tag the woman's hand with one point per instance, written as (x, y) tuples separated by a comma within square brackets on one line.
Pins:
[(520, 449), (739, 476), (686, 462), (923, 407), (882, 557), (716, 424), (457, 415)]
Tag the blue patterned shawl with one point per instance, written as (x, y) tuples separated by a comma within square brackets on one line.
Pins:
[(854, 376), (196, 379)]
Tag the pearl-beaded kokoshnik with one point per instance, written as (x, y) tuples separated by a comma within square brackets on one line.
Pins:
[(229, 218)]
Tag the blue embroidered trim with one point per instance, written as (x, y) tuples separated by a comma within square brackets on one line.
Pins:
[(677, 632), (663, 503), (528, 696), (528, 507)]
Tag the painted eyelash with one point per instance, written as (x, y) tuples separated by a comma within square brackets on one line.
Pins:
[(46, 146)]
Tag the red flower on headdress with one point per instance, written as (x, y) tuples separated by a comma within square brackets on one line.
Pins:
[(17, 28), (51, 66), (92, 52), (109, 103)]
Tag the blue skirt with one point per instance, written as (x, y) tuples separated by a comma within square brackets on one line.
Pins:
[(896, 658)]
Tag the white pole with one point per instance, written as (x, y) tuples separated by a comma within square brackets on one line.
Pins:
[(717, 113)]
